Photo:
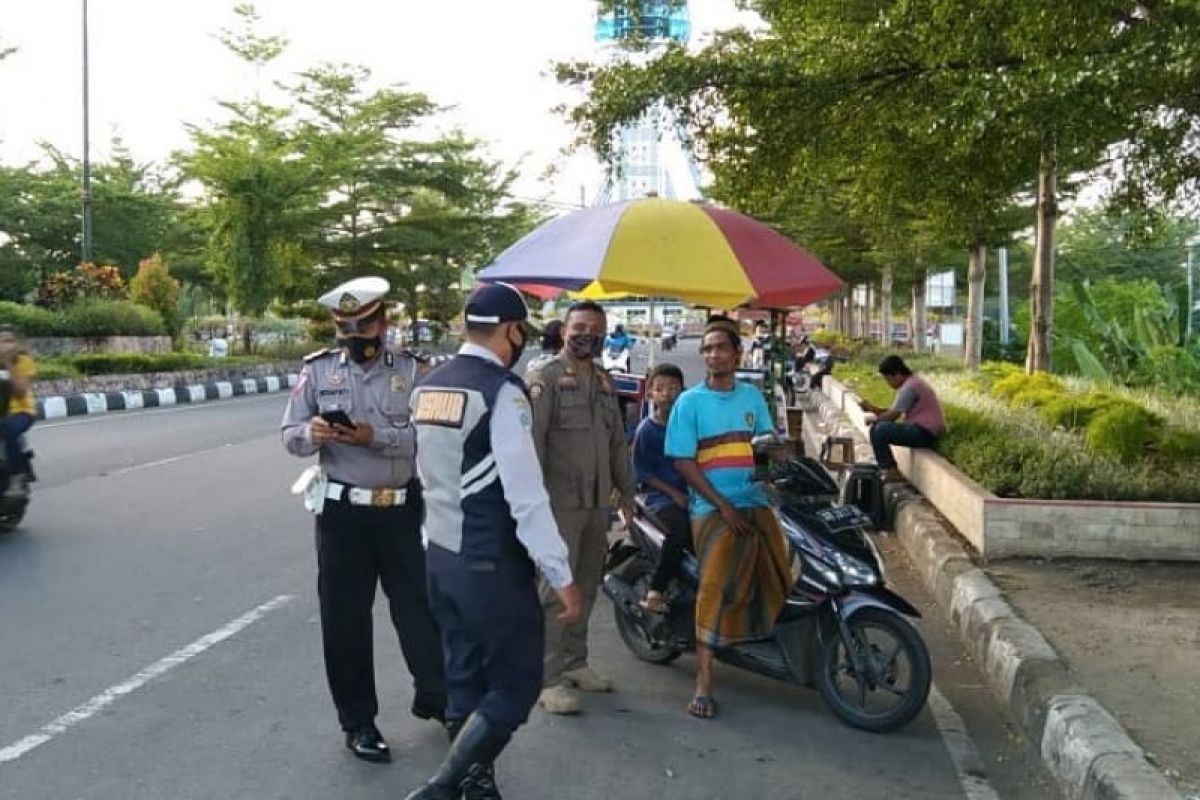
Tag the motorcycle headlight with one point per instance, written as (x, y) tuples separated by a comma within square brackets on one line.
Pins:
[(854, 572)]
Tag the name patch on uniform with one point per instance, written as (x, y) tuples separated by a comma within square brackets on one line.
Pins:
[(441, 407)]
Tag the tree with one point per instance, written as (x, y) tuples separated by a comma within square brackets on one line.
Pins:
[(967, 101), (154, 288), (257, 183)]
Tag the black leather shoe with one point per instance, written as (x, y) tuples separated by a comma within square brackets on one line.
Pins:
[(368, 744)]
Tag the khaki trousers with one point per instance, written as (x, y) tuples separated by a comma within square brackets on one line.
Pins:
[(586, 534)]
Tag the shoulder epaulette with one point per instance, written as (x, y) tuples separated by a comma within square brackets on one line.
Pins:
[(314, 356)]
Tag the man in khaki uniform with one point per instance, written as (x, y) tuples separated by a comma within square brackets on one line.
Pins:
[(580, 438)]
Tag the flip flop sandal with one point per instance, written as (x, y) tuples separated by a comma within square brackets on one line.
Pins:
[(703, 706)]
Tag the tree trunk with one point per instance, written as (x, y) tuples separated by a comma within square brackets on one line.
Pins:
[(976, 282), (848, 320), (1039, 356), (885, 306), (864, 315), (919, 319)]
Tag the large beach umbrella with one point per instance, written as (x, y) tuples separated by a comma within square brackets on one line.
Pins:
[(699, 253)]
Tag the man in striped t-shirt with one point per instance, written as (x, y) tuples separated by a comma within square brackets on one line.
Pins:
[(745, 573)]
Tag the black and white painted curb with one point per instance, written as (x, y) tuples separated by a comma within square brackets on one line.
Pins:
[(1082, 744), (103, 402)]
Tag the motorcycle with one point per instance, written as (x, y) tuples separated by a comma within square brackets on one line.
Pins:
[(668, 341), (841, 630), (12, 508), (615, 359)]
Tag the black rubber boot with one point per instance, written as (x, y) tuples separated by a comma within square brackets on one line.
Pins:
[(476, 745)]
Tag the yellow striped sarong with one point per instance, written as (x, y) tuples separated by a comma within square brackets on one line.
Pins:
[(744, 580)]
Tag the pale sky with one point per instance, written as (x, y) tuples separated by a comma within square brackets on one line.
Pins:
[(156, 64)]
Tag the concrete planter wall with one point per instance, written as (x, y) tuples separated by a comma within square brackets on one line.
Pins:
[(999, 527), (63, 345), (160, 380)]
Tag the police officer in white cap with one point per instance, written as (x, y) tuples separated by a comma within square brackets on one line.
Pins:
[(489, 526), (350, 408)]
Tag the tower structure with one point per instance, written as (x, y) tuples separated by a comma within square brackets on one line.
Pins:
[(651, 158)]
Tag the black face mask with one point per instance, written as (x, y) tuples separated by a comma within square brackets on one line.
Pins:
[(361, 350), (585, 345), (517, 351)]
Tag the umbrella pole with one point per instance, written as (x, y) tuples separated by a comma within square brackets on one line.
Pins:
[(650, 338)]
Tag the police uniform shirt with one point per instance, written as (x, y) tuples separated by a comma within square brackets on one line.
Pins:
[(516, 462), (378, 395)]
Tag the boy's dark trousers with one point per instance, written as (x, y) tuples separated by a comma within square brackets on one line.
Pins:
[(678, 531)]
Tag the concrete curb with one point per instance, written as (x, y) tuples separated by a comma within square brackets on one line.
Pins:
[(1083, 746), (89, 403)]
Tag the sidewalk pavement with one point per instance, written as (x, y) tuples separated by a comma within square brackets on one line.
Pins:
[(59, 406), (1085, 748)]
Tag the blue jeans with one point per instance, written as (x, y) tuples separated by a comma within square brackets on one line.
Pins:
[(15, 426), (905, 434)]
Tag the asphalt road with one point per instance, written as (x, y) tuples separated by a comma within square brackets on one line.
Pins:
[(159, 639)]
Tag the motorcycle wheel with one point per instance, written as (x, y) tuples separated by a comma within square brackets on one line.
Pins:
[(635, 638), (881, 706)]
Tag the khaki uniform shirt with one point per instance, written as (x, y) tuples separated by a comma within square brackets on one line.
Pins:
[(377, 395), (579, 434)]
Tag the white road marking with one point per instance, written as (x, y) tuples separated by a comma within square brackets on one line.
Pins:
[(967, 762), (158, 668), (163, 461), (120, 415)]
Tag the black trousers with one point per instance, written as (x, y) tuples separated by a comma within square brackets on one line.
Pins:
[(678, 539), (358, 547), (493, 635)]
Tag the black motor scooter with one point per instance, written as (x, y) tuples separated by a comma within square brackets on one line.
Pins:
[(841, 629), (12, 509)]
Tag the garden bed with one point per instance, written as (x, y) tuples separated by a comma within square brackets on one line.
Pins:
[(1040, 526)]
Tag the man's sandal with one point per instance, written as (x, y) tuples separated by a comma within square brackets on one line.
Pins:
[(703, 706)]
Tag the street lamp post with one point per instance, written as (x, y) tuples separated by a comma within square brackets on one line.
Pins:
[(87, 166), (1191, 285)]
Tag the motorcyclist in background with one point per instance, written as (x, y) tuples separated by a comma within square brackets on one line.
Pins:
[(618, 341), (18, 366)]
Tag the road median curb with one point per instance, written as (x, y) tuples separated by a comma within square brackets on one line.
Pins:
[(1084, 747), (89, 403)]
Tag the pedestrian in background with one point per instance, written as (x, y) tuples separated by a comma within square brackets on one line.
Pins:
[(580, 437), (489, 521), (350, 408)]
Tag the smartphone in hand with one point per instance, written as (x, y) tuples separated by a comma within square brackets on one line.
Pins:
[(337, 417)]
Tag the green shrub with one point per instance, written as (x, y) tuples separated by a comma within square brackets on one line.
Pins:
[(1074, 412), (1180, 445), (1036, 397), (31, 320), (322, 330), (98, 318), (118, 363), (1010, 385), (1123, 432), (1171, 368), (52, 369)]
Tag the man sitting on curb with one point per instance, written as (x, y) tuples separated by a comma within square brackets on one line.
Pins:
[(916, 402)]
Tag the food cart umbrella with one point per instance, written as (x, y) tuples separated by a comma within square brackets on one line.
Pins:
[(698, 253)]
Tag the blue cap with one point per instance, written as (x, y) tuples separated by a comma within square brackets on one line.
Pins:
[(493, 303)]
